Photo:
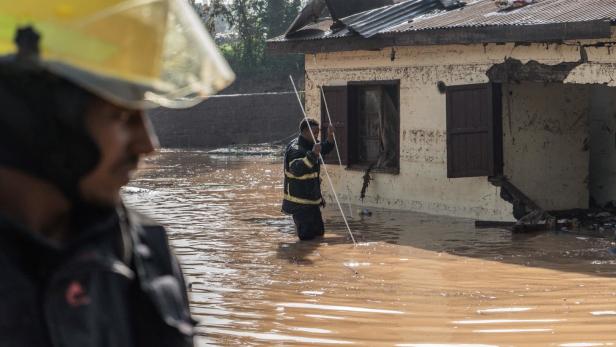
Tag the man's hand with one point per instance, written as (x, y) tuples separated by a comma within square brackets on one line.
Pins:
[(316, 149), (330, 133)]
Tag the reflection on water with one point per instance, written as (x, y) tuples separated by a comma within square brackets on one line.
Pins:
[(413, 280)]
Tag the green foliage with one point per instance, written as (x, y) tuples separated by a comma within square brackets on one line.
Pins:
[(205, 12), (253, 22)]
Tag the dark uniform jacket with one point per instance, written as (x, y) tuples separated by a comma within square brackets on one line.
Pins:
[(302, 182), (116, 284)]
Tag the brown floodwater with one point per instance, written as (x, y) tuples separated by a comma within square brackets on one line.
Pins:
[(412, 280)]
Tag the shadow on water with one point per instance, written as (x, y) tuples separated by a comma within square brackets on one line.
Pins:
[(556, 250), (297, 252), (224, 176)]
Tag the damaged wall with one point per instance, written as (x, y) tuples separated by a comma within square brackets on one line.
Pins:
[(422, 184), (544, 135), (602, 141)]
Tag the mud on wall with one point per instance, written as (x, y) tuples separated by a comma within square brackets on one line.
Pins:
[(559, 142), (602, 142), (545, 129), (228, 120), (422, 184)]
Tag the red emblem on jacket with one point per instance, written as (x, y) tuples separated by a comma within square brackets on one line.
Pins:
[(75, 295)]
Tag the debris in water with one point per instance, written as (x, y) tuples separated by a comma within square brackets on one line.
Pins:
[(596, 222), (365, 212)]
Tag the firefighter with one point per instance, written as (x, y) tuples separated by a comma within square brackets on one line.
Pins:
[(78, 268), (302, 181)]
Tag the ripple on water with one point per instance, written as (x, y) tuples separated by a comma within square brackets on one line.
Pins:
[(413, 279)]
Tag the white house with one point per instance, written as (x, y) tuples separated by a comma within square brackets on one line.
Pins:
[(462, 109)]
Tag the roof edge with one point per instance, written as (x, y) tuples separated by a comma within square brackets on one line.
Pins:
[(534, 33)]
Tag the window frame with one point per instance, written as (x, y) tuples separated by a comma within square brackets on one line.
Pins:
[(352, 124)]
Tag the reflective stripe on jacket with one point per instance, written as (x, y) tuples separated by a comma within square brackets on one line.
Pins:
[(302, 183)]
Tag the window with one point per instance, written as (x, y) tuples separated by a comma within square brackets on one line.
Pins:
[(474, 131), (367, 124)]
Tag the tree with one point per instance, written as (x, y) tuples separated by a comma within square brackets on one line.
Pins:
[(244, 17), (254, 21), (274, 17), (206, 14)]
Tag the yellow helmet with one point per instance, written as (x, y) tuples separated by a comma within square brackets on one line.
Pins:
[(136, 53)]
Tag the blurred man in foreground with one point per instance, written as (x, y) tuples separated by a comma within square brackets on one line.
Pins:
[(80, 269)]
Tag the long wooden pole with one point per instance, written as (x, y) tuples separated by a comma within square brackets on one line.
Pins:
[(331, 185)]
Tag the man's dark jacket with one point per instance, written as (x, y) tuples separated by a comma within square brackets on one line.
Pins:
[(302, 169), (115, 284)]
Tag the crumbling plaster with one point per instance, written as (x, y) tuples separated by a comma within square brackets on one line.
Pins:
[(602, 142), (422, 184), (545, 134)]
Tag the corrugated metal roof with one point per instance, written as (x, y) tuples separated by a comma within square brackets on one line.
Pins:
[(309, 14), (419, 15), (483, 13), (344, 8), (479, 21), (367, 23), (314, 31), (370, 23)]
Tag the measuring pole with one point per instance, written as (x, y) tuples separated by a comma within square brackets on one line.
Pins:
[(331, 185)]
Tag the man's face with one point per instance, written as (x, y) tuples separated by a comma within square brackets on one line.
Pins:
[(122, 136), (315, 132)]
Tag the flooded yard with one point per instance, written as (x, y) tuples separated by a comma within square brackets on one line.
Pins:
[(413, 279)]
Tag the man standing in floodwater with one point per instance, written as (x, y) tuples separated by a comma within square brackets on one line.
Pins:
[(78, 267), (302, 182)]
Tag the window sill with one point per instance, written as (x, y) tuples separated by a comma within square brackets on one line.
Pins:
[(363, 168)]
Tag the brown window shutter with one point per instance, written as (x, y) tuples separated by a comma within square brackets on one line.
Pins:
[(336, 98), (473, 128)]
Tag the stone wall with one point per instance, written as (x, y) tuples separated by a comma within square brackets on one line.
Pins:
[(228, 120)]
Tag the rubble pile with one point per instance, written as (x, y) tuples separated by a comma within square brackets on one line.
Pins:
[(595, 222), (600, 223)]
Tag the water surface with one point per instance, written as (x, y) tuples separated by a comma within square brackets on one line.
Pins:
[(413, 280)]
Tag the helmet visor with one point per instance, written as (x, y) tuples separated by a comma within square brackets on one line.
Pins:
[(136, 53)]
